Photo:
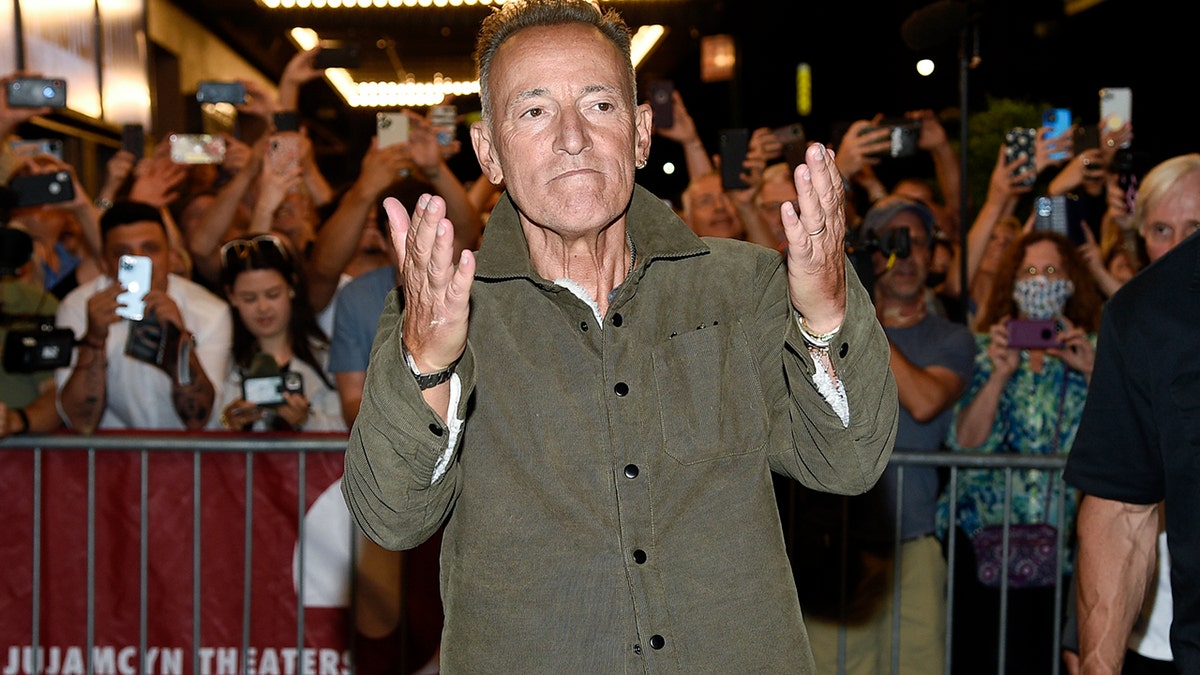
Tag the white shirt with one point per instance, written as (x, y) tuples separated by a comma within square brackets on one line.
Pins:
[(138, 394)]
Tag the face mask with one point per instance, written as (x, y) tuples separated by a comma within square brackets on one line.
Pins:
[(1042, 298)]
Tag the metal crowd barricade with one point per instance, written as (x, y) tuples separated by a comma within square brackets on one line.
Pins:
[(284, 634), (27, 649), (954, 463)]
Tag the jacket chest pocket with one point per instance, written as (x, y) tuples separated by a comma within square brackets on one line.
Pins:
[(710, 396)]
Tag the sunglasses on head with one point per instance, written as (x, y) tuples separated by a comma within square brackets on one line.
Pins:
[(264, 251)]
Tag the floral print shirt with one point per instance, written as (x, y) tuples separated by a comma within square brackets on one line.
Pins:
[(1025, 423)]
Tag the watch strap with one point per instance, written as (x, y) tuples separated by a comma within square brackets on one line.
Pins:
[(428, 380)]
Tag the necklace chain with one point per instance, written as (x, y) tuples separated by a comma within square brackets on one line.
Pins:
[(632, 252)]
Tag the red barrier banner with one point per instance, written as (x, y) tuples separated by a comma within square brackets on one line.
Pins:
[(248, 568)]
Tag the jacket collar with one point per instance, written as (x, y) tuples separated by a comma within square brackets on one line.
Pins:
[(657, 232)]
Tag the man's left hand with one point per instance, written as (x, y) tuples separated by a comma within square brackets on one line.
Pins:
[(816, 241)]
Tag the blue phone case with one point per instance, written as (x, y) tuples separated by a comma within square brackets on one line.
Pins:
[(1059, 121)]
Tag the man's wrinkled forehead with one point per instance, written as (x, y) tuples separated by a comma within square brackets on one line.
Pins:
[(577, 50)]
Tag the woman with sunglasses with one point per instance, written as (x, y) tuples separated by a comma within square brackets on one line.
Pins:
[(278, 382)]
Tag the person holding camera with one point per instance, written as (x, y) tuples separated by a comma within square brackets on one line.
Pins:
[(931, 359), (30, 352), (151, 343), (1025, 397), (279, 381)]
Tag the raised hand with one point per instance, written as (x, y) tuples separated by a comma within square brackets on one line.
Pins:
[(437, 292), (816, 241)]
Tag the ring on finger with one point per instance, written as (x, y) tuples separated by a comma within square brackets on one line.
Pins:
[(819, 231)]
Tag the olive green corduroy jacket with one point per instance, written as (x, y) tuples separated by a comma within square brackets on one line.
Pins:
[(609, 506)]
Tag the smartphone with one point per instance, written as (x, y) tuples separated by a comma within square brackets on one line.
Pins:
[(338, 54), (32, 147), (733, 146), (133, 273), (43, 188), (37, 92), (286, 120), (1087, 137), (133, 140), (221, 92), (444, 119), (197, 149), (391, 128), (283, 151), (1062, 214), (662, 103), (1116, 107), (1019, 145), (794, 142), (1034, 334), (1059, 121)]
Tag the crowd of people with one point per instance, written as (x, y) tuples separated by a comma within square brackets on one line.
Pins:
[(272, 294)]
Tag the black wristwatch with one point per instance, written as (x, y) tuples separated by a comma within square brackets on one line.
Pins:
[(433, 379), (428, 380)]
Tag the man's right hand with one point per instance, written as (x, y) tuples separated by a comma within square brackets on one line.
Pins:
[(437, 292), (102, 313)]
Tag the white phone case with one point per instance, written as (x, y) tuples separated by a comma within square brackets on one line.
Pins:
[(133, 273), (391, 128), (1116, 107)]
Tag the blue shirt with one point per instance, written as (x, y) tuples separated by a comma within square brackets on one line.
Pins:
[(356, 315)]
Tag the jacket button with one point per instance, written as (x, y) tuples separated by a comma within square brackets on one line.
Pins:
[(843, 349), (637, 649), (583, 326), (617, 320), (436, 430), (621, 389), (657, 642), (639, 556), (631, 471)]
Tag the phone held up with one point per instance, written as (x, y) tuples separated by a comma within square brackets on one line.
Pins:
[(1059, 121), (734, 144), (662, 103), (1062, 214), (32, 147), (1034, 334), (197, 149), (444, 120), (37, 92), (1019, 145), (133, 273), (283, 152), (221, 92), (133, 140), (43, 188), (337, 54), (391, 128), (1116, 107)]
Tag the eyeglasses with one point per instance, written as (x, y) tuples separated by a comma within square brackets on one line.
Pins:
[(264, 250)]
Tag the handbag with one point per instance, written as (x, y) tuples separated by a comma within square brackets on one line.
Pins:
[(1032, 547), (1032, 555)]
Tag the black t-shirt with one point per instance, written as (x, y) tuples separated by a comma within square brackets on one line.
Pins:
[(1139, 437)]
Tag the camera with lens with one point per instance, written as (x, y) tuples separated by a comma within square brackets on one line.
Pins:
[(268, 390), (895, 242), (41, 348)]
